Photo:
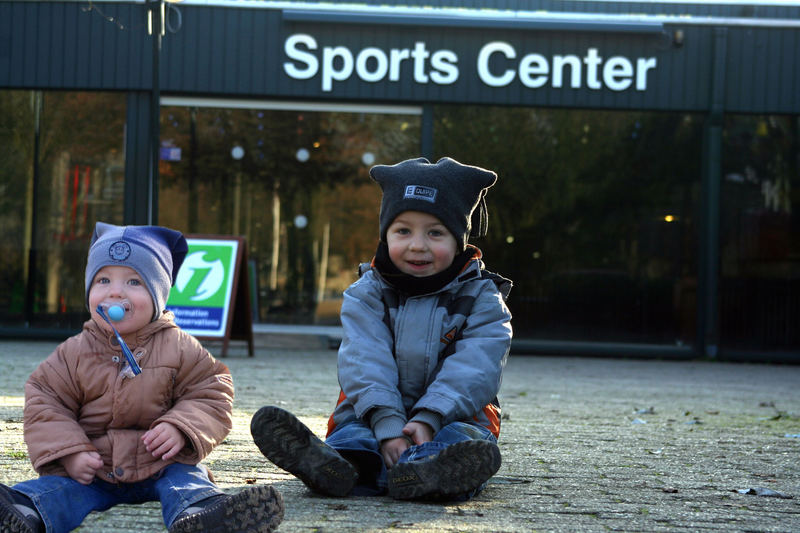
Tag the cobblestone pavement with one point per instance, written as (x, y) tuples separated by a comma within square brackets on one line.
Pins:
[(588, 445)]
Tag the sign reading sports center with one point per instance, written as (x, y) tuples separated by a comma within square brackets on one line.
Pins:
[(371, 64), (647, 152)]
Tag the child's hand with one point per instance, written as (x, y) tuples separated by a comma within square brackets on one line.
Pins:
[(392, 449), (82, 466), (164, 441), (418, 432)]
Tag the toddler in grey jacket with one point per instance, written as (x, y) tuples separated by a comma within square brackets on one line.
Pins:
[(426, 337)]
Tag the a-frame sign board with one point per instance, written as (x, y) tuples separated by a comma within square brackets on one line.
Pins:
[(211, 295)]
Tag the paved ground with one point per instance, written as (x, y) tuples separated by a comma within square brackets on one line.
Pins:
[(588, 445)]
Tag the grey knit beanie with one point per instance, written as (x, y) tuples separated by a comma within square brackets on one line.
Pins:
[(452, 192), (154, 252)]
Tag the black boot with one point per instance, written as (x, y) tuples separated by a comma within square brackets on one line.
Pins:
[(455, 471), (254, 510), (17, 513), (289, 444)]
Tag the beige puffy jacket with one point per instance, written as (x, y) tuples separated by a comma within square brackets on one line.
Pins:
[(78, 400)]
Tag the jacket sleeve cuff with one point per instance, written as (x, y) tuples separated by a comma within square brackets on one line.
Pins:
[(434, 420), (387, 424)]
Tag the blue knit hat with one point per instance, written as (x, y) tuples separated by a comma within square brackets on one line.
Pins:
[(451, 191), (154, 252)]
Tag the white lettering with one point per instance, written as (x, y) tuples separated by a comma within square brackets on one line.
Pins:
[(617, 73), (329, 71), (483, 64), (397, 57), (420, 54), (290, 48), (495, 66), (533, 71), (371, 64), (381, 64), (592, 60), (559, 62), (642, 66), (444, 64)]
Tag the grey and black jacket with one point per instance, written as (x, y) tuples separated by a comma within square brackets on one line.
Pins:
[(435, 358)]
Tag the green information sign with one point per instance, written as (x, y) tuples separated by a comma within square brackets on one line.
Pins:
[(202, 295)]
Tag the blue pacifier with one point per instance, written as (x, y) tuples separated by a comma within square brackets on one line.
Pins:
[(116, 312)]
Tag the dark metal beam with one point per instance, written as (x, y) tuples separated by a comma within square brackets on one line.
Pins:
[(709, 256), (156, 18), (137, 159), (426, 132)]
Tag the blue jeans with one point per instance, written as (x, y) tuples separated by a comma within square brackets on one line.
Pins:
[(356, 442), (63, 503)]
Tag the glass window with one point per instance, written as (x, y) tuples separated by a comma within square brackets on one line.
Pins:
[(17, 119), (295, 184), (63, 169), (593, 217), (760, 234)]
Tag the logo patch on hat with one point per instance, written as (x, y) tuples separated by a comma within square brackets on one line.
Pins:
[(119, 251), (420, 192)]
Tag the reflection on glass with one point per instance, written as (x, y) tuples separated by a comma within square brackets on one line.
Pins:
[(301, 195), (63, 169), (578, 217), (760, 234), (18, 116)]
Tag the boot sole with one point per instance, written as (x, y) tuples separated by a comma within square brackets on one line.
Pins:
[(289, 444), (11, 523), (253, 510), (11, 519), (457, 470)]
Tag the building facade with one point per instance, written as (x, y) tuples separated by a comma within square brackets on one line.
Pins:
[(648, 154)]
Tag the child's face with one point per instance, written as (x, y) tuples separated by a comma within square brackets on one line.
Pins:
[(121, 285), (419, 244)]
